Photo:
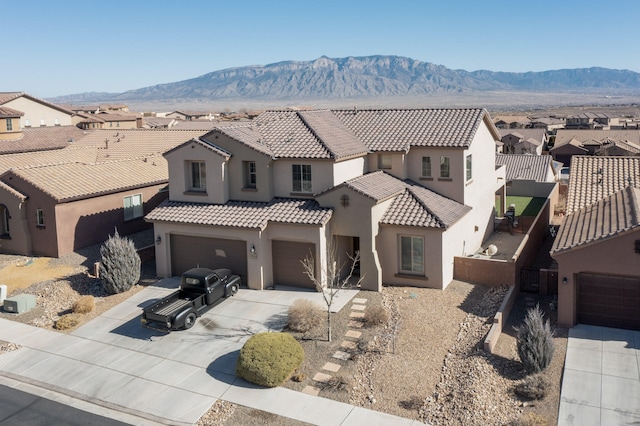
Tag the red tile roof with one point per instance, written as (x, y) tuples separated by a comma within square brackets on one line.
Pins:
[(609, 217), (242, 214)]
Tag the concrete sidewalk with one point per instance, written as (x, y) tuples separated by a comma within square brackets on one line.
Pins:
[(114, 363), (601, 381)]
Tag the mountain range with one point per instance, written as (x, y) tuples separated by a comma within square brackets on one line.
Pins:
[(368, 78)]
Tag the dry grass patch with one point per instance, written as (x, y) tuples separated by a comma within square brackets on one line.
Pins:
[(84, 305), (30, 271)]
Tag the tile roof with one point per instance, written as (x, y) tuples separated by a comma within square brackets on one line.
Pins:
[(525, 166), (204, 143), (377, 185), (42, 138), (72, 181), (399, 129), (563, 136), (608, 217), (414, 205), (537, 134), (13, 191), (9, 96), (102, 161), (622, 145), (10, 112), (338, 139), (419, 206), (242, 214), (596, 177)]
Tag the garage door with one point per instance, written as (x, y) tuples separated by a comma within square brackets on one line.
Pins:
[(287, 269), (610, 301), (190, 252)]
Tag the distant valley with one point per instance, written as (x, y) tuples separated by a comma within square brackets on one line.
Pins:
[(377, 81)]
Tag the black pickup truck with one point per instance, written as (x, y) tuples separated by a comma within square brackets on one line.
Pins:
[(199, 291)]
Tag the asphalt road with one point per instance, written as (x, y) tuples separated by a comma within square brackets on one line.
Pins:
[(25, 409)]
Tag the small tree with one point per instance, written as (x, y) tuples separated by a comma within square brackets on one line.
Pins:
[(535, 341), (333, 275), (120, 265)]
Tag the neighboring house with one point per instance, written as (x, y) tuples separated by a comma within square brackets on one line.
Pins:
[(536, 168), (10, 124), (523, 141), (512, 122), (591, 120), (598, 245), (56, 201), (36, 112), (33, 139), (550, 124), (594, 142), (105, 120), (407, 189), (191, 115)]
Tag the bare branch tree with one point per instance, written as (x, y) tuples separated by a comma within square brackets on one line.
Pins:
[(332, 273)]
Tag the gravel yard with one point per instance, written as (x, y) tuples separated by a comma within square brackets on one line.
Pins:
[(426, 363)]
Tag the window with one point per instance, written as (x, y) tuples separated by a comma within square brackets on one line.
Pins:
[(198, 176), (250, 174), (57, 122), (27, 122), (42, 123), (445, 167), (384, 161), (301, 177), (39, 217), (412, 254), (426, 166), (4, 221), (133, 207), (469, 169), (9, 125)]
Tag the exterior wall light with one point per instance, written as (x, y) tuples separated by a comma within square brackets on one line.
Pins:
[(564, 281), (158, 239), (252, 250)]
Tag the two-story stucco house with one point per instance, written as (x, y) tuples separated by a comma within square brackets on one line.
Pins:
[(407, 189)]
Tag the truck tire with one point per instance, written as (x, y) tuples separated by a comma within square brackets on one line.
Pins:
[(233, 289), (189, 320)]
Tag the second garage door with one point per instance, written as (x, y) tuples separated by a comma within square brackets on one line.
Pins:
[(609, 301), (190, 252), (287, 266)]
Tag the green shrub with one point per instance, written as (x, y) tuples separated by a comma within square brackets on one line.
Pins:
[(375, 315), (120, 265), (67, 322), (535, 341), (533, 387), (84, 305), (269, 359), (304, 315)]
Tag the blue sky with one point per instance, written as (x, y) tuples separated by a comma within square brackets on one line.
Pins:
[(66, 46)]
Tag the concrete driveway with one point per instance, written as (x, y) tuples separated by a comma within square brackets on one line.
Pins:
[(601, 380), (174, 378)]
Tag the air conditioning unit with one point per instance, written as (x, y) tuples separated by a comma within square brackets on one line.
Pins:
[(20, 304)]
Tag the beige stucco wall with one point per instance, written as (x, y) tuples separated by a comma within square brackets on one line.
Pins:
[(321, 176), (217, 189), (359, 219), (398, 164), (35, 112), (615, 256), (452, 187), (16, 131), (348, 169)]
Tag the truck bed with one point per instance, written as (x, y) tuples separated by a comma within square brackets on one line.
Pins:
[(171, 307)]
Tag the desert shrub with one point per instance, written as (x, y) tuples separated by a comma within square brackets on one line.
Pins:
[(530, 419), (304, 315), (414, 403), (533, 387), (298, 376), (120, 265), (84, 305), (67, 322), (335, 383), (375, 315), (535, 341), (268, 359)]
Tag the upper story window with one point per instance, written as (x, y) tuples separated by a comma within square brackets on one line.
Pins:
[(384, 161), (40, 217), (27, 122), (469, 168), (301, 174), (250, 174), (133, 207), (426, 167), (42, 123), (9, 124), (445, 167), (57, 122), (4, 221), (412, 254), (198, 176)]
